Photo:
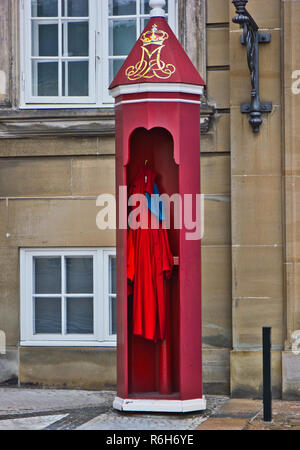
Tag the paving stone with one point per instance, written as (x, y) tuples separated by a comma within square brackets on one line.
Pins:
[(223, 424), (53, 409), (239, 408), (88, 410), (118, 421), (115, 420), (28, 423), (18, 400)]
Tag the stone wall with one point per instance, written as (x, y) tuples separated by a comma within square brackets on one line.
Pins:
[(215, 173), (54, 164), (257, 225), (52, 167), (291, 99), (48, 199)]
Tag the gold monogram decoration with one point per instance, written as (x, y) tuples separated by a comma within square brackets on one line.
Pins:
[(151, 65)]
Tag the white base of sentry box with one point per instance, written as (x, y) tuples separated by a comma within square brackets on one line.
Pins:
[(144, 405)]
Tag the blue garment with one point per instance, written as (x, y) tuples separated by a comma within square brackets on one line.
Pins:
[(155, 204)]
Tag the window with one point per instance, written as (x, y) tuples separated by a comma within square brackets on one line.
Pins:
[(68, 297), (72, 49), (59, 37)]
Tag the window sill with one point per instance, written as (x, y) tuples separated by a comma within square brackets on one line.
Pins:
[(64, 106), (84, 122), (67, 344), (55, 122)]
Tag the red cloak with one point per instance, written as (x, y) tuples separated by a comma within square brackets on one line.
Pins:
[(149, 263)]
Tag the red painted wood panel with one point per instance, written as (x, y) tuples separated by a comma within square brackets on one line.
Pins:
[(168, 136)]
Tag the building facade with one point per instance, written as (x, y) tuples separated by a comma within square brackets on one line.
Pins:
[(57, 268)]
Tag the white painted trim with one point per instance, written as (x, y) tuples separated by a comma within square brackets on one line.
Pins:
[(69, 106), (157, 87), (26, 58), (107, 254), (68, 344), (100, 337), (158, 100), (143, 405)]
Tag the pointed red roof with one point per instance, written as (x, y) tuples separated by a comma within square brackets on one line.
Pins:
[(157, 57)]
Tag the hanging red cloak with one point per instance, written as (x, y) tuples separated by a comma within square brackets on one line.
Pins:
[(149, 262)]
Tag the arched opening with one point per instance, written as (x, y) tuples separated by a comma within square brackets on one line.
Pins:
[(155, 146)]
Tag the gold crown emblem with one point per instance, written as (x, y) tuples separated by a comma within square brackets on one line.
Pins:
[(154, 36)]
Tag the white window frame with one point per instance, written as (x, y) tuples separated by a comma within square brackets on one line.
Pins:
[(99, 58), (101, 336), (26, 57)]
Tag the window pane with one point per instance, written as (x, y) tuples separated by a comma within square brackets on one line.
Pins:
[(121, 7), (80, 316), (47, 315), (122, 36), (113, 315), (76, 39), (75, 79), (44, 39), (44, 8), (75, 8), (112, 275), (79, 275), (114, 67), (145, 7), (44, 78), (47, 275)]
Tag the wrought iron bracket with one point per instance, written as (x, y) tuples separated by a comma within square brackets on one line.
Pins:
[(252, 38), (263, 38)]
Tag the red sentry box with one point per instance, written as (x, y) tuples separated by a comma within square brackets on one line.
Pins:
[(158, 120)]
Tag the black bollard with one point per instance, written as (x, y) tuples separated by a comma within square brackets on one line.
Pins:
[(267, 384)]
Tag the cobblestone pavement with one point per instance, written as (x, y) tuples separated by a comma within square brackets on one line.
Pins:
[(286, 416), (113, 420), (243, 414), (48, 409), (22, 401)]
